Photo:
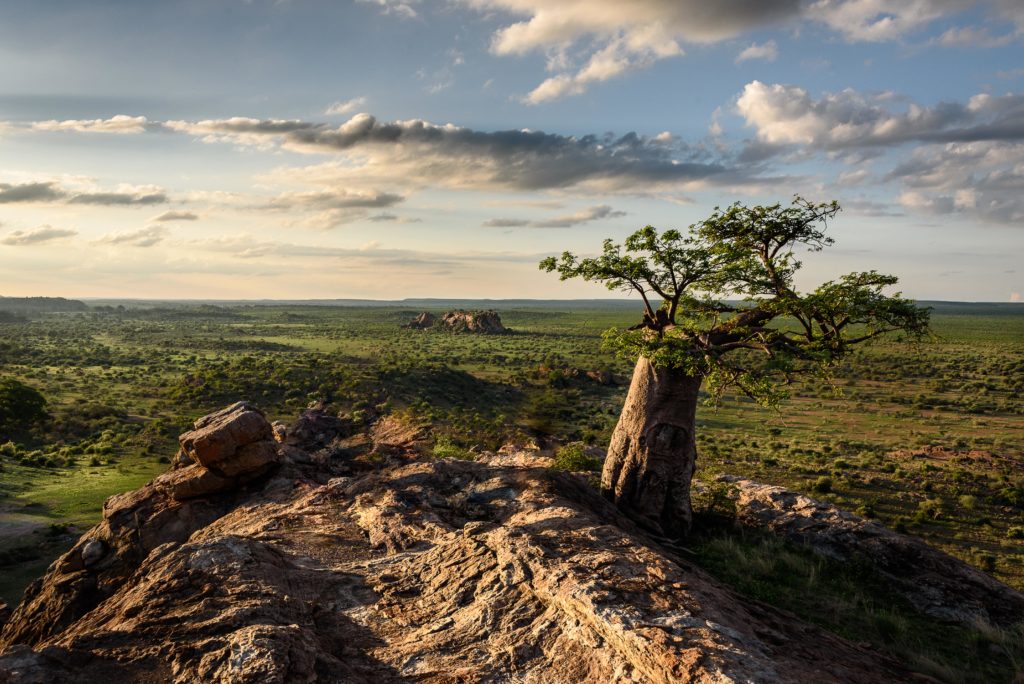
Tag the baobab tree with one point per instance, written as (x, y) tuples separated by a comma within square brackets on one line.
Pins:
[(721, 310)]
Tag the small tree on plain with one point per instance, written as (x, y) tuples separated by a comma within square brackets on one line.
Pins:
[(721, 310), (21, 406)]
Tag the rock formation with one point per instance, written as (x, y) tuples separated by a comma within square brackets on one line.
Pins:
[(482, 322), (935, 583), (422, 322), (315, 570)]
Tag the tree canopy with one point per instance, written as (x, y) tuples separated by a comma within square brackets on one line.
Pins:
[(20, 405), (720, 300)]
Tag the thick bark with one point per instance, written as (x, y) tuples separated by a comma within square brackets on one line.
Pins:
[(653, 450)]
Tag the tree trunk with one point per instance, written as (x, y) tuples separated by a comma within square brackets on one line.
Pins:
[(653, 450)]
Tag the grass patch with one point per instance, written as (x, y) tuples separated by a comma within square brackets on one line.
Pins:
[(853, 601)]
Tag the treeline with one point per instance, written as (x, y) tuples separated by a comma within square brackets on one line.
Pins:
[(31, 305)]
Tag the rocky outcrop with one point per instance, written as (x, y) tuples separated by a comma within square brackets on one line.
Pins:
[(434, 571), (482, 322), (422, 322), (225, 452), (935, 583)]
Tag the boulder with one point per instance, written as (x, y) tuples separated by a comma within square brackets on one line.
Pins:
[(192, 482), (218, 438), (314, 429)]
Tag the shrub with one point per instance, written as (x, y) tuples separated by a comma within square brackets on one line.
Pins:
[(1015, 532), (574, 458), (929, 509), (444, 447), (823, 485)]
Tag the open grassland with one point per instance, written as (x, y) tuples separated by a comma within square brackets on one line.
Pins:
[(926, 438)]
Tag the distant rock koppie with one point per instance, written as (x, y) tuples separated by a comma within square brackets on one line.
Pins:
[(459, 320)]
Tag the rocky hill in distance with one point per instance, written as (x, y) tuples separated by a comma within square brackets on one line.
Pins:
[(314, 552), (459, 321)]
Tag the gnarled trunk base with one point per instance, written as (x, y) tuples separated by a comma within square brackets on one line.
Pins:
[(653, 450)]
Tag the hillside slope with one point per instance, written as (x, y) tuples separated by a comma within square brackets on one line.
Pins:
[(298, 563)]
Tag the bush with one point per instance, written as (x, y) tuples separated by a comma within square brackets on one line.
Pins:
[(574, 458), (444, 447), (1015, 533), (823, 485), (929, 509), (20, 405)]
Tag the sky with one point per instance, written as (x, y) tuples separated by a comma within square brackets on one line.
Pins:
[(250, 149)]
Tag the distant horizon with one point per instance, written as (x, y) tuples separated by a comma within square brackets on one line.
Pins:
[(292, 300)]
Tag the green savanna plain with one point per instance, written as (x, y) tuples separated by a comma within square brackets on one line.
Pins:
[(927, 438)]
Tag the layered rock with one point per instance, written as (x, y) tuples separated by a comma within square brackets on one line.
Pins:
[(442, 571), (435, 571)]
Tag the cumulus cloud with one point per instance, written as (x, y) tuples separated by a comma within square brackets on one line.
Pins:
[(37, 236), (333, 207), (615, 37), (984, 179), (240, 130), (416, 153), (146, 237), (588, 41), (174, 216), (964, 157), (335, 199), (878, 20), (113, 199), (51, 191), (767, 51), (788, 115), (566, 221), (121, 123), (346, 107), (30, 192)]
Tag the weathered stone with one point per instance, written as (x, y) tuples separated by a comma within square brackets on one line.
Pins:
[(315, 428), (194, 481), (93, 552), (492, 570), (393, 433), (218, 436), (386, 577), (251, 460)]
